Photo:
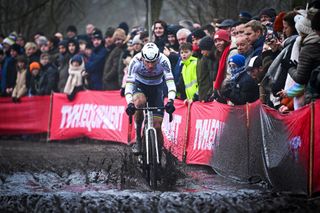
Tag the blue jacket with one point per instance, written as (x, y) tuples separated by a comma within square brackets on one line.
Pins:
[(94, 67)]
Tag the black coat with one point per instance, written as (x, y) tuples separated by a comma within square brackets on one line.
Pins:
[(241, 90)]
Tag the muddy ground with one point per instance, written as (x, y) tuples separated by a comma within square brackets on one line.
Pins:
[(93, 176)]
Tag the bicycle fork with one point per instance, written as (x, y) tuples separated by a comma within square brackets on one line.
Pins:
[(152, 129)]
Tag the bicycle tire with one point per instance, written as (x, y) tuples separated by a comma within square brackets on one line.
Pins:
[(145, 166), (153, 164)]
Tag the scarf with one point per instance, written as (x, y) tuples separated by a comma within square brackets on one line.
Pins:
[(74, 78), (235, 73), (221, 68)]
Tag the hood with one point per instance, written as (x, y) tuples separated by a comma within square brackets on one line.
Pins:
[(312, 38)]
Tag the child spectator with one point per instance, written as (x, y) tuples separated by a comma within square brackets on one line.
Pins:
[(75, 80), (20, 88), (189, 71), (35, 78), (240, 88)]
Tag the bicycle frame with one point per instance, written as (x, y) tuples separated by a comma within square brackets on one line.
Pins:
[(149, 115)]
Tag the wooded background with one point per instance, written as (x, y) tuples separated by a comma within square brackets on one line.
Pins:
[(49, 16)]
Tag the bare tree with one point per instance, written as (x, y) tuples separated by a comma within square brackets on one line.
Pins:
[(205, 11), (27, 17)]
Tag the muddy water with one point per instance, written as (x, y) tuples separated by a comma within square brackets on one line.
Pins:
[(88, 176)]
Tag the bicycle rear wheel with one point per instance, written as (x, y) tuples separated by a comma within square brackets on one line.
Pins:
[(153, 164)]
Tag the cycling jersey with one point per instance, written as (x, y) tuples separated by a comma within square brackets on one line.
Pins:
[(139, 73)]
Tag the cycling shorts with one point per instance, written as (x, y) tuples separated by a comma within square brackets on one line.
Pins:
[(154, 95)]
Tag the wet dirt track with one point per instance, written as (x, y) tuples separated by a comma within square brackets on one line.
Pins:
[(88, 176)]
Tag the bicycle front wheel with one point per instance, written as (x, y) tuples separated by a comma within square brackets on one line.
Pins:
[(153, 164)]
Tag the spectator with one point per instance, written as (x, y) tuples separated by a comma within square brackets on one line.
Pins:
[(160, 34), (309, 59), (113, 68), (267, 16), (182, 36), (206, 71), (35, 68), (276, 76), (254, 34), (244, 48), (63, 64), (189, 72), (108, 41), (9, 71), (208, 29), (49, 75), (75, 82), (196, 36), (72, 32), (20, 88), (240, 88), (222, 43), (172, 37), (94, 66), (244, 16), (73, 47)]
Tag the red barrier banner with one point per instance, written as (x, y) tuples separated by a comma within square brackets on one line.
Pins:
[(285, 139), (316, 150), (174, 133), (29, 116), (94, 114), (206, 125)]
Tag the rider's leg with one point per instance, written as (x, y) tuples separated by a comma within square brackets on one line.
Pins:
[(139, 101)]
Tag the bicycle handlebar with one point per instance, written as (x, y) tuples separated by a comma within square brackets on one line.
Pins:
[(151, 109)]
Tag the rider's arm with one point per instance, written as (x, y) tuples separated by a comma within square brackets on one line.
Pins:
[(169, 79), (130, 81)]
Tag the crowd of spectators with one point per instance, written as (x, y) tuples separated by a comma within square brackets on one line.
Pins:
[(273, 56)]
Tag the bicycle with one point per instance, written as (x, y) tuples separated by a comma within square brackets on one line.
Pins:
[(150, 155)]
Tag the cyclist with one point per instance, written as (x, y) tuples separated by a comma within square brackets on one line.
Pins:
[(146, 73)]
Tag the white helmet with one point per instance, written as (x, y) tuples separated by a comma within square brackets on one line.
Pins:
[(150, 52)]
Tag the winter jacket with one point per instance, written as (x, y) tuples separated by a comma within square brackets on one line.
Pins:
[(20, 88), (75, 78), (189, 74), (309, 59), (94, 67), (113, 69), (63, 67), (46, 81), (205, 76), (241, 89), (8, 74)]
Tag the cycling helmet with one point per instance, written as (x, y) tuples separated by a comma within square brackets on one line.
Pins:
[(150, 52)]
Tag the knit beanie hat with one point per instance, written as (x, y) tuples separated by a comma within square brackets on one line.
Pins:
[(64, 43), (72, 28), (77, 58), (270, 12), (125, 27), (206, 43), (97, 34), (238, 59), (303, 24), (198, 34), (172, 29), (34, 66), (223, 35), (245, 16), (8, 41), (136, 40), (42, 40), (226, 23), (119, 34)]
